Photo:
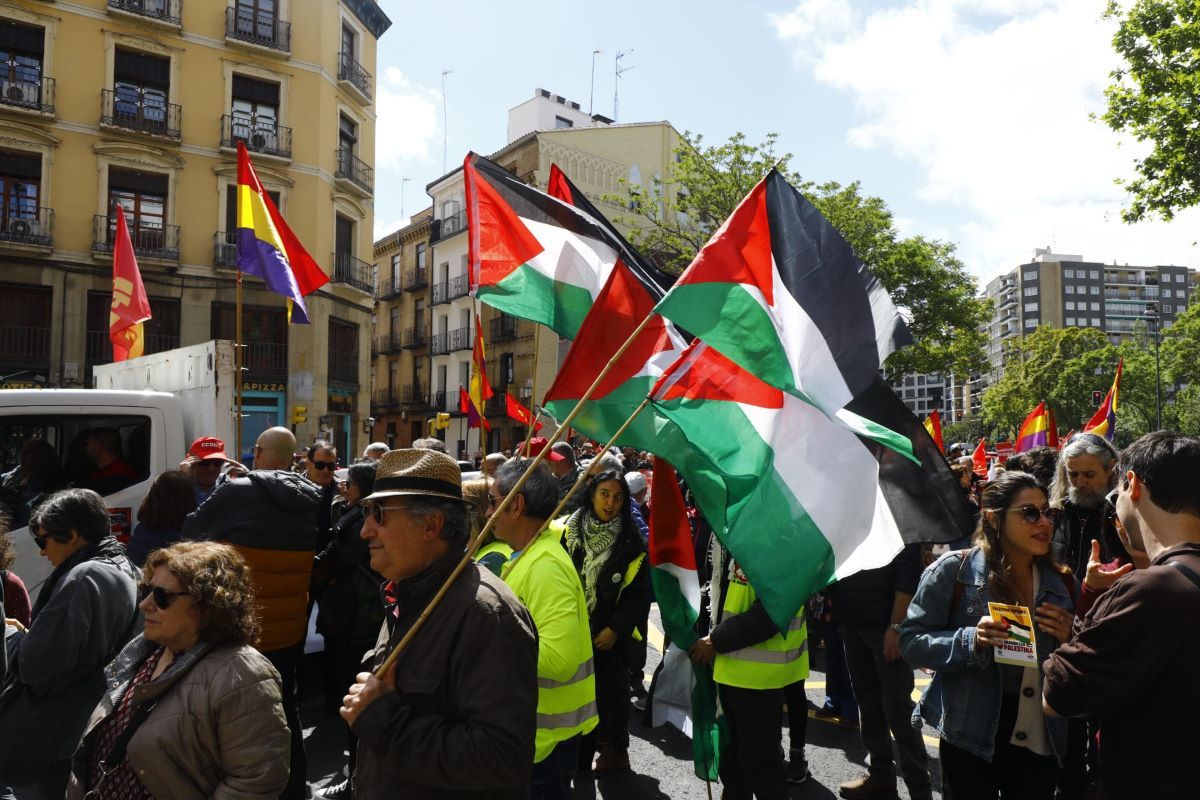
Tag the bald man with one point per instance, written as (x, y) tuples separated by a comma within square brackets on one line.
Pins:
[(270, 517)]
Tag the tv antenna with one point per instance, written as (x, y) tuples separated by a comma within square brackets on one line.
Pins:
[(618, 71), (445, 119), (592, 96)]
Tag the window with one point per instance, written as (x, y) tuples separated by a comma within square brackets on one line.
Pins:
[(343, 352), (908, 380), (1031, 275), (393, 377), (1031, 291), (1069, 289), (231, 211), (21, 62), (1095, 290), (1095, 306), (1168, 308), (1070, 320), (141, 83), (1031, 323), (421, 255), (347, 139), (1069, 273), (1166, 292), (1095, 322), (143, 196), (255, 113), (264, 331), (256, 18), (343, 236), (20, 190), (507, 369), (920, 380), (1070, 305), (348, 40), (563, 122), (1179, 278), (1031, 307), (395, 272), (160, 332), (395, 318), (1094, 275)]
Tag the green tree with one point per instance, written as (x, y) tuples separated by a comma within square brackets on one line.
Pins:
[(672, 219), (1153, 98)]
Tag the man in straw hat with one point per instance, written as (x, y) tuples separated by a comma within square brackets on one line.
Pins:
[(456, 714)]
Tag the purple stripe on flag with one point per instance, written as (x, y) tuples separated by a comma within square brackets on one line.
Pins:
[(1032, 440), (256, 257)]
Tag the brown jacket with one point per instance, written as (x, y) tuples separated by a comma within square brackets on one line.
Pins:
[(217, 731), (462, 719)]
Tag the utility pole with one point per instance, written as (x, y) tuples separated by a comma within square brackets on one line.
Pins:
[(618, 70), (592, 96), (1153, 315), (445, 119)]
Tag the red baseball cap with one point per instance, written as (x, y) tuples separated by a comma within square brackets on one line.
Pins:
[(536, 445), (207, 447)]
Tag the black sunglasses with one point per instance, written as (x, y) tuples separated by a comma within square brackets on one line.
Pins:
[(324, 464), (162, 598), (40, 538), (375, 511), (1031, 514)]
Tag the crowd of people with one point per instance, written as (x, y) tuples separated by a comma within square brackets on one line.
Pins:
[(168, 666)]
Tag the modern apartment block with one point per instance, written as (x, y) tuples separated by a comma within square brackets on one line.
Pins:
[(141, 103), (1066, 291), (600, 158)]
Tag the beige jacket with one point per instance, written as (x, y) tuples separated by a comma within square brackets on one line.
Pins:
[(217, 730)]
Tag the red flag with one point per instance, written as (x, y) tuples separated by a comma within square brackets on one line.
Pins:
[(979, 460), (1053, 441), (519, 412), (933, 424), (464, 402), (130, 308)]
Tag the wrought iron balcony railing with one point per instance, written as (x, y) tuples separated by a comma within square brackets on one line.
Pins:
[(260, 134), (32, 226), (353, 73), (351, 271), (353, 169), (167, 11), (28, 91), (140, 111), (149, 240), (257, 28)]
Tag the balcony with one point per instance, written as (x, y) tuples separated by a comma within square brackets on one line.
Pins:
[(351, 73), (416, 279), (24, 346), (439, 344), (354, 171), (98, 348), (243, 26), (27, 226), (384, 399), (460, 340), (141, 113), (267, 359), (460, 286), (413, 394), (504, 328), (350, 271), (28, 92), (439, 293), (166, 12), (446, 227), (261, 135), (386, 343), (387, 289), (149, 241), (415, 338), (225, 249), (343, 367)]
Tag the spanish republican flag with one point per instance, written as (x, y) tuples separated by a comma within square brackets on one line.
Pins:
[(1104, 423), (933, 424), (130, 308), (1038, 430), (266, 246), (480, 390)]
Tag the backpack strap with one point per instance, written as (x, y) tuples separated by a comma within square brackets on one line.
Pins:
[(1187, 571)]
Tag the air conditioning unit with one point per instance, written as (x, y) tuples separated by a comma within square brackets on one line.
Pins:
[(258, 141), (20, 227), (22, 93)]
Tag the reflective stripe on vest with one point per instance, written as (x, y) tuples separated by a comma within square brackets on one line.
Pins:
[(777, 662), (585, 669), (631, 572)]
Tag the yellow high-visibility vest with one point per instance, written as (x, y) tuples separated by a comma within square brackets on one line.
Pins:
[(779, 661)]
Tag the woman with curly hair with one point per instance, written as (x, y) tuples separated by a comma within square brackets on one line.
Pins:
[(995, 740), (190, 709)]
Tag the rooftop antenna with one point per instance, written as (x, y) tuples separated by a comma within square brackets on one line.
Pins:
[(445, 122), (592, 96), (402, 182), (618, 71)]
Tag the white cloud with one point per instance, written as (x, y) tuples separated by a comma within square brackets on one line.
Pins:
[(408, 123), (991, 99)]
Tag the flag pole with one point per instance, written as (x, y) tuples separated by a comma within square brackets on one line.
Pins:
[(237, 361), (533, 403), (474, 545)]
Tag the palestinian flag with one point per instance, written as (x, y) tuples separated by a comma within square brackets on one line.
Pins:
[(797, 498), (530, 255), (780, 293)]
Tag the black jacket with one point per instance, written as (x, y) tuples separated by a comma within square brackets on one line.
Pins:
[(622, 610), (735, 631), (865, 598), (1073, 534), (351, 608)]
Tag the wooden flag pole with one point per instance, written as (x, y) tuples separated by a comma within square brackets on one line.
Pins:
[(237, 362), (533, 406), (478, 540)]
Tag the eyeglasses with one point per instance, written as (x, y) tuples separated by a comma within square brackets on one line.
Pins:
[(162, 598), (324, 464), (1111, 497), (493, 501), (375, 511), (1031, 514), (40, 535)]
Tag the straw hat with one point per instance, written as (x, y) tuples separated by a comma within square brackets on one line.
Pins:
[(417, 472)]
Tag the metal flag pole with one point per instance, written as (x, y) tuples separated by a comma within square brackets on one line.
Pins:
[(237, 361), (538, 459), (533, 404)]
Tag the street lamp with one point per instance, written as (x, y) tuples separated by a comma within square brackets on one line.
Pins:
[(1152, 316)]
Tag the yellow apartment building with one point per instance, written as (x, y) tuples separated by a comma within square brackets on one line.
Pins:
[(141, 103)]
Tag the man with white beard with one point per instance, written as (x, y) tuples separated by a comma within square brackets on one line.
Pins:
[(1085, 475)]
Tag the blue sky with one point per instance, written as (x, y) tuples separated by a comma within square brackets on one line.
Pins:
[(969, 117)]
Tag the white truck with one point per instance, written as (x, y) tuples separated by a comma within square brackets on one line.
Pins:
[(158, 404)]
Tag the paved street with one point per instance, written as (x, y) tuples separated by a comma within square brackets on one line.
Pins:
[(661, 757)]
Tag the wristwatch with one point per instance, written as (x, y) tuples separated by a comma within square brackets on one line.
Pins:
[(895, 626)]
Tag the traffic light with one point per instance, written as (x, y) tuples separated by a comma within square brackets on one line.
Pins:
[(1097, 398), (299, 415), (443, 420)]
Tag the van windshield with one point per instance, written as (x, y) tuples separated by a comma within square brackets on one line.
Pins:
[(42, 453)]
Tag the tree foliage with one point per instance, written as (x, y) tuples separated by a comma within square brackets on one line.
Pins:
[(1153, 98), (672, 219)]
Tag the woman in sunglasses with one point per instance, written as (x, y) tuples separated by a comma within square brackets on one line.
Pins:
[(995, 741), (85, 612), (190, 709)]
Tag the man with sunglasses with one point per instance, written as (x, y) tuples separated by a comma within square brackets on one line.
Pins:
[(322, 464), (455, 716), (1131, 663), (270, 517)]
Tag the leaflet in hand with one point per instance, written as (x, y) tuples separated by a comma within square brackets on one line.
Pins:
[(1020, 649)]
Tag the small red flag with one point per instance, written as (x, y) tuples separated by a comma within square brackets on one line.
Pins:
[(130, 308), (519, 412), (979, 460)]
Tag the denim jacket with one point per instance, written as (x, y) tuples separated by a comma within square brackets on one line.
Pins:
[(963, 700)]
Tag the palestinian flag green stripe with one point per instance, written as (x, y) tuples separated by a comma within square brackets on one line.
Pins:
[(529, 294)]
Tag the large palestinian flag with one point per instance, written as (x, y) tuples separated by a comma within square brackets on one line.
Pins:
[(795, 496), (532, 256), (780, 293)]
